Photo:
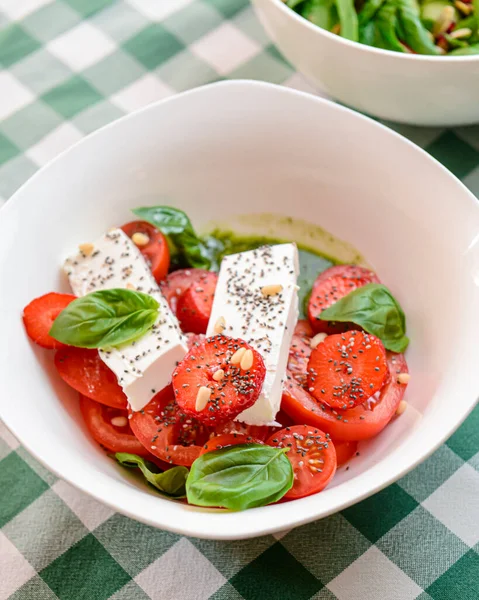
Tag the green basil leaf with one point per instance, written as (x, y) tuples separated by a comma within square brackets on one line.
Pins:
[(240, 477), (375, 309), (176, 225), (105, 319), (171, 482)]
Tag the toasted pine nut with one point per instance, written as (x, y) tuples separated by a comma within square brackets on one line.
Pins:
[(247, 360), (119, 421), (218, 375), (130, 286), (87, 249), (458, 34), (403, 378), (202, 398), (401, 408), (466, 9), (220, 325), (237, 356), (140, 239), (271, 290), (317, 339)]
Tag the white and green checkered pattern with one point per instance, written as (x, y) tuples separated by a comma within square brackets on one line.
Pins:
[(67, 68)]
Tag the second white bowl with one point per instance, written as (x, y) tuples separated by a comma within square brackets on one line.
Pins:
[(408, 88)]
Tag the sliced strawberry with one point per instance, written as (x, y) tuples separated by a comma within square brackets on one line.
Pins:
[(178, 282), (38, 317), (218, 379), (347, 369), (332, 285), (194, 339), (194, 306)]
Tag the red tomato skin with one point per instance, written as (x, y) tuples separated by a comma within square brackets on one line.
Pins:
[(362, 422), (225, 440), (176, 284), (300, 351), (194, 305), (312, 456), (98, 417), (38, 317), (85, 372), (344, 451), (238, 390), (331, 285), (156, 251), (160, 428)]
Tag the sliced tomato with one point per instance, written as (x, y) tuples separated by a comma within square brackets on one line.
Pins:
[(85, 372), (153, 246), (176, 284), (211, 386), (168, 433), (347, 369), (110, 427), (331, 285), (194, 306), (359, 423), (345, 451), (300, 351), (218, 442), (312, 455), (38, 317), (257, 432)]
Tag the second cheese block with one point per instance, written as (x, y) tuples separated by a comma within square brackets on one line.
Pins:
[(143, 367), (257, 297)]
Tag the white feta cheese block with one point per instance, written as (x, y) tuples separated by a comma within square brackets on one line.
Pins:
[(143, 367), (257, 297)]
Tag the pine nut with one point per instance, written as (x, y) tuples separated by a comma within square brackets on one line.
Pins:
[(458, 34), (271, 290), (403, 378), (218, 375), (119, 421), (237, 356), (202, 398), (466, 9), (220, 325), (86, 249), (401, 408), (130, 286), (317, 339), (140, 239), (247, 360)]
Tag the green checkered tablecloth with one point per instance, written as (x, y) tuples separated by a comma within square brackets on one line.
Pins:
[(67, 68)]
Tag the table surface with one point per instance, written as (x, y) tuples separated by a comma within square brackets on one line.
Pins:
[(69, 67)]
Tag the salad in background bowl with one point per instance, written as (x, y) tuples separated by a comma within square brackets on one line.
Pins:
[(400, 61), (233, 164)]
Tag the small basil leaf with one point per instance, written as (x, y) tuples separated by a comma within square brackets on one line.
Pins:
[(171, 482), (106, 318), (176, 225), (240, 477), (375, 309)]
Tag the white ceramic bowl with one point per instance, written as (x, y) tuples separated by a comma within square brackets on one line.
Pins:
[(229, 149), (409, 88)]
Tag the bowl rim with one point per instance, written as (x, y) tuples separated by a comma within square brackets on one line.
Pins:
[(281, 5), (227, 525)]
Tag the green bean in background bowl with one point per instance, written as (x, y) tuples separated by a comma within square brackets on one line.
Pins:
[(430, 27)]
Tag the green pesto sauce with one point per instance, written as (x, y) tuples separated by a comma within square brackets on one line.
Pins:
[(311, 262)]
